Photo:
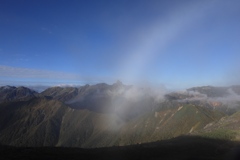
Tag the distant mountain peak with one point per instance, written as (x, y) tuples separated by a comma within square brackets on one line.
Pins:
[(10, 93), (7, 87)]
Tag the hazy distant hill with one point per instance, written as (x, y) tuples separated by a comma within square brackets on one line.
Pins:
[(61, 93), (11, 93), (110, 115), (211, 91)]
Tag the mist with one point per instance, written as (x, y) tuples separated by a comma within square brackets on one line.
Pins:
[(214, 96)]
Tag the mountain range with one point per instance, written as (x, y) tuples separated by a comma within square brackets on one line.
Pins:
[(103, 115)]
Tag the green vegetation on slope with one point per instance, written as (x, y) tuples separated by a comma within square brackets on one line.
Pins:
[(221, 134), (167, 124)]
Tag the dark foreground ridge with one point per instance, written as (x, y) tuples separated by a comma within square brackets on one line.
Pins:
[(180, 148)]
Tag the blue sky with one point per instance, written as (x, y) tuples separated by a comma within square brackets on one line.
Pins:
[(167, 42)]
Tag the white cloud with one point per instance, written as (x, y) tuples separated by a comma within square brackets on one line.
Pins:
[(14, 72), (26, 76)]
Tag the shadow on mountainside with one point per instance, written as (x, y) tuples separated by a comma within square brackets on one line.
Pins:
[(180, 148)]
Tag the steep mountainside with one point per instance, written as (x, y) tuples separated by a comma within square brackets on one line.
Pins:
[(167, 124), (35, 122), (106, 115), (43, 122), (83, 128), (227, 127)]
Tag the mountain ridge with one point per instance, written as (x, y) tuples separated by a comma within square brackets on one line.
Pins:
[(50, 119)]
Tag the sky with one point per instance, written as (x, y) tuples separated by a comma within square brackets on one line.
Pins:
[(174, 43)]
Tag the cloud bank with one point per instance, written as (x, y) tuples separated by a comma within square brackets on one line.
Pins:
[(15, 72), (26, 76)]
